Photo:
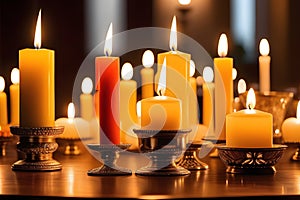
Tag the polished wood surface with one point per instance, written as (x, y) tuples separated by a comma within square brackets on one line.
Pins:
[(73, 181)]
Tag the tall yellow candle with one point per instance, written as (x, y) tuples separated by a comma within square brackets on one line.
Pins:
[(147, 74), (3, 103), (249, 127), (14, 91), (177, 70), (128, 116), (223, 87), (264, 66), (36, 84), (86, 99)]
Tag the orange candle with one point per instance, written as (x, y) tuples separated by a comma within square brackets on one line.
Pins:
[(108, 69), (147, 74), (14, 91), (223, 87), (36, 84), (291, 127), (264, 66), (3, 103)]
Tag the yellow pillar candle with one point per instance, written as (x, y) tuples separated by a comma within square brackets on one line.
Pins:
[(86, 99), (178, 68), (291, 128), (147, 74), (128, 97), (223, 87), (3, 103), (14, 91), (36, 84), (264, 66), (161, 112), (249, 127)]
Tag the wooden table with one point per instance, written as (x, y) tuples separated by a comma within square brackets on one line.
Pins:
[(73, 181)]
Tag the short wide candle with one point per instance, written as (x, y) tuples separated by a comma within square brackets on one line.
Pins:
[(249, 128), (291, 127)]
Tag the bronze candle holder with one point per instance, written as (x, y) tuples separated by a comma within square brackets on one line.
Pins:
[(70, 146), (38, 145), (3, 143), (162, 147)]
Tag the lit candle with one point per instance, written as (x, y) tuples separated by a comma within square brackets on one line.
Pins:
[(178, 68), (242, 87), (107, 78), (36, 84), (14, 97), (223, 87), (147, 74), (86, 99), (249, 127), (74, 128), (128, 116), (291, 127), (161, 112), (264, 66), (3, 103), (208, 100)]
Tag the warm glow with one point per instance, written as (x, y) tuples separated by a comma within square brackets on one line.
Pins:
[(223, 45), (87, 85), (38, 33), (108, 41), (173, 35), (139, 109), (184, 2), (298, 110), (127, 71), (251, 101), (264, 47), (71, 111), (161, 89), (2, 84), (242, 87), (208, 74), (192, 68), (234, 73), (148, 59), (15, 76)]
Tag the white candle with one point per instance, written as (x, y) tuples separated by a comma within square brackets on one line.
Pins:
[(264, 66), (3, 103), (86, 99), (147, 74), (14, 90), (291, 127)]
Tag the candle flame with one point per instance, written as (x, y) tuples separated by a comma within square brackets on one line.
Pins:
[(242, 86), (71, 111), (148, 59), (234, 73), (251, 101), (208, 74), (2, 84), (139, 109), (38, 32), (15, 76), (223, 45), (298, 110), (161, 89), (184, 2), (87, 85), (173, 35), (127, 71), (192, 68), (264, 47), (108, 41)]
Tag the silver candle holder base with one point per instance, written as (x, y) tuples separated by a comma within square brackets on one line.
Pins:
[(38, 145)]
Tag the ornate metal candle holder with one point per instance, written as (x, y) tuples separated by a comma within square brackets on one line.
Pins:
[(296, 155), (162, 147), (251, 160), (70, 146), (109, 154), (190, 159), (3, 143), (38, 145)]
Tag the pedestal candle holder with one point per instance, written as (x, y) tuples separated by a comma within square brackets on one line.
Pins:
[(162, 147), (3, 143), (251, 160), (296, 155), (38, 145), (109, 154), (190, 159), (70, 146)]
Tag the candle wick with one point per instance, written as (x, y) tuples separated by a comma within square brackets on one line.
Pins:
[(106, 53), (173, 48)]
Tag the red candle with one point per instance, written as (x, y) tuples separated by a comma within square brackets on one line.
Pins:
[(108, 73)]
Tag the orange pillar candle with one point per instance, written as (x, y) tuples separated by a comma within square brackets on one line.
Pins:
[(177, 69), (264, 66), (14, 91), (147, 74), (86, 99), (3, 103), (291, 127), (36, 84), (108, 69), (223, 87), (249, 127)]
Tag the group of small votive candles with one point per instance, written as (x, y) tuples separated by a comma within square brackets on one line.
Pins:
[(174, 108)]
